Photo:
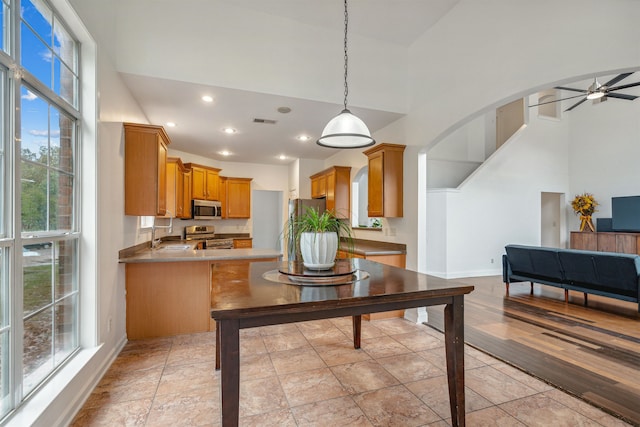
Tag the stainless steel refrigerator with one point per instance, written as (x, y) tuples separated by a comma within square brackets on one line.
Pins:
[(298, 207)]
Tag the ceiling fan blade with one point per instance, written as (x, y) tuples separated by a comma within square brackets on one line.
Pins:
[(616, 79), (555, 100), (623, 86), (576, 104), (571, 89), (621, 96)]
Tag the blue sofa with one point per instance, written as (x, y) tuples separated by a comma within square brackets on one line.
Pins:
[(608, 274)]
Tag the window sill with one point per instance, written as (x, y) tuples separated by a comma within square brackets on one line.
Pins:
[(33, 412)]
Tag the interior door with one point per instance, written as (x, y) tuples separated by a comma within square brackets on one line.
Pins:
[(267, 218)]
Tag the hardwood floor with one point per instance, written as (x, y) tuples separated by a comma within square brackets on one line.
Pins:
[(591, 352)]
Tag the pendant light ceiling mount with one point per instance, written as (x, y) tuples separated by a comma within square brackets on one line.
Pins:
[(346, 130)]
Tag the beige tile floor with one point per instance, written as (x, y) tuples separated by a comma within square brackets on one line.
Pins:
[(308, 374)]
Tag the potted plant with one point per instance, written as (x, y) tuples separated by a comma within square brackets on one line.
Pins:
[(319, 235)]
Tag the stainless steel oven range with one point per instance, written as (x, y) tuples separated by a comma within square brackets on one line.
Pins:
[(206, 237)]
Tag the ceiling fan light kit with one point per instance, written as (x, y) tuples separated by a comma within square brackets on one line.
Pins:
[(346, 130), (597, 92)]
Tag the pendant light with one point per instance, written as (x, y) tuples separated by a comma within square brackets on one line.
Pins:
[(346, 130)]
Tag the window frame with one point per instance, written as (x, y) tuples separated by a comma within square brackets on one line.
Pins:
[(12, 240)]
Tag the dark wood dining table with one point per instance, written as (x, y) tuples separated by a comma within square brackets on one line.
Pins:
[(247, 296)]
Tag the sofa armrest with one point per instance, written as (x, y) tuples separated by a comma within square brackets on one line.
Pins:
[(506, 269)]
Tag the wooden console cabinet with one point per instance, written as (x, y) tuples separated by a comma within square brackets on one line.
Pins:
[(625, 243)]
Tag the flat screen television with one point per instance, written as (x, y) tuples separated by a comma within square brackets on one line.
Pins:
[(625, 213)]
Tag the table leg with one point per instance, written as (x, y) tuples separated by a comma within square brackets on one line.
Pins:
[(454, 346), (357, 328), (230, 371), (217, 348)]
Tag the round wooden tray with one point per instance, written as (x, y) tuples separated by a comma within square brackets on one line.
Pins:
[(342, 267)]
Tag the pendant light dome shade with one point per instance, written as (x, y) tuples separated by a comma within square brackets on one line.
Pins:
[(346, 131)]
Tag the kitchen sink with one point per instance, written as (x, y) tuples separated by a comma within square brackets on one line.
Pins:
[(176, 247)]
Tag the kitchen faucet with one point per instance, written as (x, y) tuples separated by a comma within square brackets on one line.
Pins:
[(169, 228)]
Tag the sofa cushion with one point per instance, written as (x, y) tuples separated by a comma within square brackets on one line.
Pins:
[(611, 273), (535, 262)]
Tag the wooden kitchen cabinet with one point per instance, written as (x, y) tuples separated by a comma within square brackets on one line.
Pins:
[(395, 260), (145, 170), (236, 197), (177, 204), (385, 180), (318, 186), (242, 243), (186, 193), (205, 182), (167, 298), (333, 185)]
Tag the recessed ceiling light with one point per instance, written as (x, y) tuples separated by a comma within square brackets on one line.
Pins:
[(207, 98), (284, 110), (229, 130), (225, 153), (303, 138), (282, 157), (171, 124)]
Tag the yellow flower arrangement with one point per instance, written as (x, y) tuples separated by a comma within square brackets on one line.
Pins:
[(584, 205)]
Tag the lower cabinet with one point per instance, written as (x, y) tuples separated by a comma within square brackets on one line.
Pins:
[(172, 298), (396, 260), (167, 298), (242, 243)]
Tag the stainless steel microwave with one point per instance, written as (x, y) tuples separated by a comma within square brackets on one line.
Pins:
[(206, 209)]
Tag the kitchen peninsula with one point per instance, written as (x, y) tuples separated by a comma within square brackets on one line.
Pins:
[(169, 288)]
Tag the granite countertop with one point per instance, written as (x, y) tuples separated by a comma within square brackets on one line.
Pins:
[(373, 247), (181, 251), (244, 236)]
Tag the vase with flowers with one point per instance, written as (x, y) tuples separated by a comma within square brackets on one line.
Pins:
[(585, 205)]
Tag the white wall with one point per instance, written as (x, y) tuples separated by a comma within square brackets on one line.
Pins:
[(487, 53), (507, 57), (605, 148), (499, 204), (219, 43)]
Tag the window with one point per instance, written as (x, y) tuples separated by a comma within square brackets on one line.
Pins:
[(39, 262)]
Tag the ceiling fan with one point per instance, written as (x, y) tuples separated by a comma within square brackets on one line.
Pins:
[(597, 92)]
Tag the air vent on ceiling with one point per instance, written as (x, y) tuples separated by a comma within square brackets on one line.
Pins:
[(265, 121)]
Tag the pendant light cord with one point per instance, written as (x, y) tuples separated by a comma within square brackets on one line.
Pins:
[(346, 57)]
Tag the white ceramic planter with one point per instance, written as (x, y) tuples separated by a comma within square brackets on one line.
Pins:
[(319, 250)]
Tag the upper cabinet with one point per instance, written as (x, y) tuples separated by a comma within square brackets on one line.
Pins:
[(186, 193), (178, 191), (236, 197), (319, 185), (145, 159), (205, 182), (333, 185), (385, 180)]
